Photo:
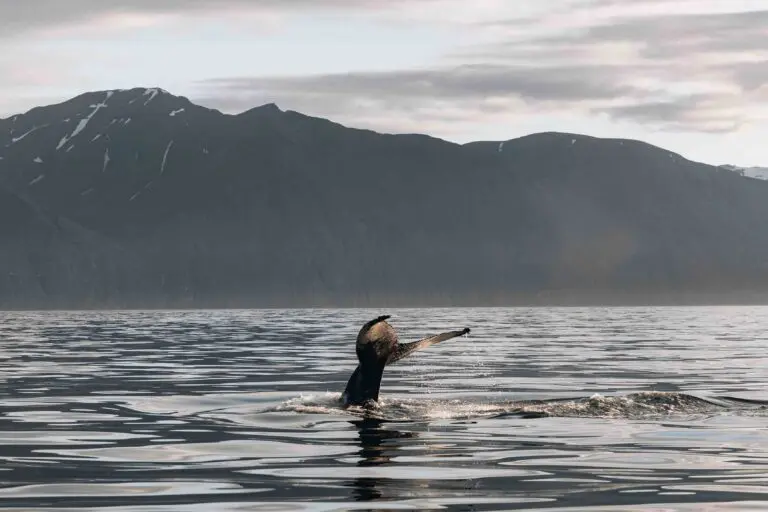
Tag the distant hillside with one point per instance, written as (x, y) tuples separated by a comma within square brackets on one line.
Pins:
[(138, 198)]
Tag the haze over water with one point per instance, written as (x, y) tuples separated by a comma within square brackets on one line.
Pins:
[(547, 409)]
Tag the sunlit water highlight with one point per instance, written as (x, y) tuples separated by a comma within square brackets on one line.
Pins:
[(546, 409)]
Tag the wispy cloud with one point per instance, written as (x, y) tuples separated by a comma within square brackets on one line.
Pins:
[(696, 66), (690, 70), (435, 97), (20, 17)]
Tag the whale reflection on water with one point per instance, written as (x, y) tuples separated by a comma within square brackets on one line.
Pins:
[(378, 445)]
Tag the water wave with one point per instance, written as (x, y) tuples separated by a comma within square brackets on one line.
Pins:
[(649, 404)]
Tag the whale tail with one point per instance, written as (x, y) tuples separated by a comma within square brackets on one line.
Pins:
[(406, 349), (376, 347)]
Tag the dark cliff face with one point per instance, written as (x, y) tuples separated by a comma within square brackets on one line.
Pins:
[(147, 200), (42, 256)]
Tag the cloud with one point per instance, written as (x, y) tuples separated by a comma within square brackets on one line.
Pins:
[(676, 65), (681, 35), (455, 83), (20, 17), (441, 99), (668, 65), (707, 113)]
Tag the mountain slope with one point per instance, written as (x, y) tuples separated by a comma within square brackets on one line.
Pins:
[(41, 255), (631, 214), (187, 206)]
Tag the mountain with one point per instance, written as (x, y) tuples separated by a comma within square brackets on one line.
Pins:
[(42, 254), (152, 201), (760, 173)]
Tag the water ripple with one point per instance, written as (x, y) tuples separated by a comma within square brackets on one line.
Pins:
[(547, 409)]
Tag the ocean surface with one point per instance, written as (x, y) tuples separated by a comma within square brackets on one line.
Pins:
[(541, 409)]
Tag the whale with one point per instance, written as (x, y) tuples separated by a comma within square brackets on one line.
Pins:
[(377, 346)]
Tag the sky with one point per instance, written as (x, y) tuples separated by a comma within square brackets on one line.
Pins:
[(688, 75)]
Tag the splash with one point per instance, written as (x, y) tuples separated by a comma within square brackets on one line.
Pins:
[(643, 405), (636, 405), (315, 403)]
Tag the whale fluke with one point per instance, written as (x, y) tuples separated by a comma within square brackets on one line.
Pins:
[(376, 347), (405, 349)]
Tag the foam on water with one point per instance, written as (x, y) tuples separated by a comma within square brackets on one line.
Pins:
[(643, 405)]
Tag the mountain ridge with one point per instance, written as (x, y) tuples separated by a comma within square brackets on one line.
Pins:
[(161, 203), (271, 108)]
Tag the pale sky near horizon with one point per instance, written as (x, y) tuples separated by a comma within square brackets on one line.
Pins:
[(688, 75)]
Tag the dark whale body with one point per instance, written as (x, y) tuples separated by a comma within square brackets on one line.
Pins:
[(376, 347)]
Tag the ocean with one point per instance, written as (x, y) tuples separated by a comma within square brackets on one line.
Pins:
[(645, 408)]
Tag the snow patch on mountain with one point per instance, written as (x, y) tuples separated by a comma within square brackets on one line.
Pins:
[(84, 122), (165, 157), (14, 140), (152, 93)]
